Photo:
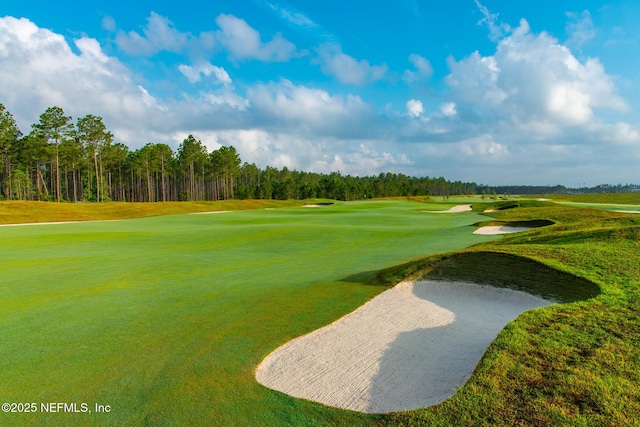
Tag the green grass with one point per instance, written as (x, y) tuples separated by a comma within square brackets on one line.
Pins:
[(604, 206), (606, 198), (164, 318)]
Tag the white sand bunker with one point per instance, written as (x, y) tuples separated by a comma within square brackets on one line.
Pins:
[(39, 223), (455, 209), (499, 229), (622, 211), (410, 347), (209, 212)]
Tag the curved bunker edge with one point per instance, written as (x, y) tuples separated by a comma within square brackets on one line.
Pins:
[(419, 366)]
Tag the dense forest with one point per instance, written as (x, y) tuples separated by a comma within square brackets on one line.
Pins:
[(59, 160)]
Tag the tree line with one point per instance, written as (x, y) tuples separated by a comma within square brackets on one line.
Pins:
[(65, 161)]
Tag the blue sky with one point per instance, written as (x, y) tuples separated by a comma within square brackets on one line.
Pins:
[(495, 92)]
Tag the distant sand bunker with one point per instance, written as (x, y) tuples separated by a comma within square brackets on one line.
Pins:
[(622, 211), (209, 212), (455, 209), (410, 347), (499, 229)]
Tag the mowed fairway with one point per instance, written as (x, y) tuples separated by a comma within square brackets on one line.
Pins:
[(164, 319)]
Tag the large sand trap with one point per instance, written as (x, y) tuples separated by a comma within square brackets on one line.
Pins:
[(412, 346), (499, 229), (459, 208)]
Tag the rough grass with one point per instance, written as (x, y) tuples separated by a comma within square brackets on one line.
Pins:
[(606, 198), (21, 212)]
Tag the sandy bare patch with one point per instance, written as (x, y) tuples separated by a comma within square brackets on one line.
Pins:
[(313, 205), (499, 229), (634, 212), (412, 346), (209, 212), (490, 210), (542, 199), (455, 209), (58, 222)]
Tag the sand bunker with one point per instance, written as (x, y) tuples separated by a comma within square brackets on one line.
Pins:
[(499, 229), (209, 212), (459, 208), (632, 212), (410, 347)]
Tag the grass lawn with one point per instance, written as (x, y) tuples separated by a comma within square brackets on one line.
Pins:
[(164, 318), (604, 206)]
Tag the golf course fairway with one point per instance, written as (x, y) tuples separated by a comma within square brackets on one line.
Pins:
[(163, 319)]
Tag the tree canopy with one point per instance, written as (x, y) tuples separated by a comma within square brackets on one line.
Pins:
[(60, 160)]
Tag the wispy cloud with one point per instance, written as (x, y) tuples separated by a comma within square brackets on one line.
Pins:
[(497, 28), (244, 42), (580, 28), (345, 68), (194, 73), (411, 6), (423, 69), (299, 21)]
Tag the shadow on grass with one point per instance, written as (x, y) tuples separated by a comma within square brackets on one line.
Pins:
[(362, 278), (508, 271)]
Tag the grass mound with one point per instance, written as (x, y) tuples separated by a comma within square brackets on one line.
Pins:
[(512, 204), (574, 364), (513, 272)]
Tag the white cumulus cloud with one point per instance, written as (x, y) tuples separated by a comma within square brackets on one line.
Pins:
[(423, 69), (244, 42), (345, 68), (448, 109), (313, 110), (194, 73), (415, 108), (534, 78), (38, 69), (159, 34)]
